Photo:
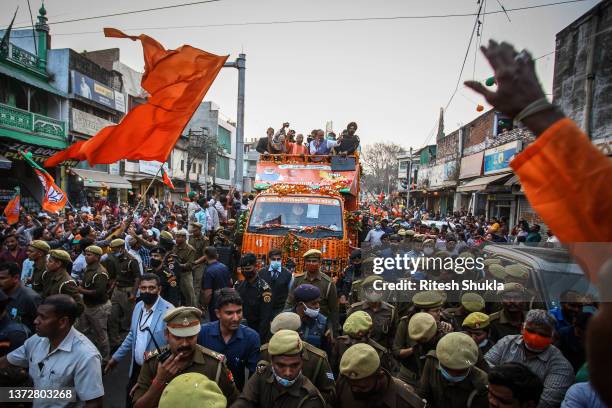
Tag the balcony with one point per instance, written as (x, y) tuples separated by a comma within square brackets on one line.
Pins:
[(20, 120), (23, 59)]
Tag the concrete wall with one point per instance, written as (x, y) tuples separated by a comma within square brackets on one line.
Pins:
[(57, 66), (570, 76), (447, 147)]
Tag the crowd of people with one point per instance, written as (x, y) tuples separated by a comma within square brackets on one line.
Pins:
[(285, 141), (203, 324)]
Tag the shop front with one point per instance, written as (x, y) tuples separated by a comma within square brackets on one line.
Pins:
[(92, 185)]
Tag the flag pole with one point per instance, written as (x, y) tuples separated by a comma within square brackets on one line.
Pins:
[(148, 187)]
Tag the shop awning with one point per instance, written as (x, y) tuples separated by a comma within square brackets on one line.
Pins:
[(481, 183), (93, 178), (5, 163), (512, 181)]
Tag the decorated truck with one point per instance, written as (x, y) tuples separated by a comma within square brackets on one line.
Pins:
[(304, 202)]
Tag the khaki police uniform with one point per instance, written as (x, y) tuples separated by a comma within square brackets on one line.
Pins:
[(60, 282), (384, 321), (315, 367), (94, 321), (186, 256), (199, 244), (121, 305), (204, 361)]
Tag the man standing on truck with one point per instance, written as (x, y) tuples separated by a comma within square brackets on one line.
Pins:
[(313, 276)]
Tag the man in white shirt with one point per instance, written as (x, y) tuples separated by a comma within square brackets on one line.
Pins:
[(58, 356)]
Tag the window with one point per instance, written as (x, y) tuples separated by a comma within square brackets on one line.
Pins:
[(200, 168), (222, 169), (403, 165), (182, 165), (224, 139)]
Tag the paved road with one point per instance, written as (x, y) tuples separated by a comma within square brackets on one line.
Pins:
[(115, 384)]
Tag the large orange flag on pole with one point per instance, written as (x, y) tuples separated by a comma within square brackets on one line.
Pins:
[(177, 81)]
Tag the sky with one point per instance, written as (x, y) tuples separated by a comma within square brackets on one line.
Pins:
[(390, 76)]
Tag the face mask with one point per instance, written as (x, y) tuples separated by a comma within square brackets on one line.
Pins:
[(276, 265), (428, 251), (155, 263), (283, 381), (312, 313), (248, 275), (535, 342), (450, 378), (149, 298), (483, 343)]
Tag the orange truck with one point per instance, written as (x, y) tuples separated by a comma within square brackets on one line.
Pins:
[(304, 202)]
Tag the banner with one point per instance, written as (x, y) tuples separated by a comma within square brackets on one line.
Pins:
[(93, 90), (310, 174)]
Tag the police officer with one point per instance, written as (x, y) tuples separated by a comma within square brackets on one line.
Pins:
[(494, 271), (256, 296), (416, 336), (351, 273), (37, 252), (94, 320), (509, 320), (431, 302), (357, 329), (181, 355), (199, 243), (314, 327), (12, 334), (363, 382), (520, 274), (192, 390), (281, 382), (314, 276), (124, 293), (167, 279), (382, 313), (470, 302), (449, 376), (184, 255), (57, 280), (315, 367), (476, 325)]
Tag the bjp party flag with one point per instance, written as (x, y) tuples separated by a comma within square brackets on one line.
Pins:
[(54, 198)]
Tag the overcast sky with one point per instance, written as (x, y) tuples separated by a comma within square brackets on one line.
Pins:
[(390, 76)]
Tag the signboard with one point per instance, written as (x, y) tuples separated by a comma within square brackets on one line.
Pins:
[(114, 168), (443, 174), (93, 90), (471, 166), (305, 173), (300, 200), (497, 160), (152, 168), (10, 150), (87, 123)]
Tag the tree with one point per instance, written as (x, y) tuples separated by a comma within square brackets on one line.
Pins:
[(380, 167)]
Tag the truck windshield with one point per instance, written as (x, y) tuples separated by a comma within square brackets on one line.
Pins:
[(313, 216)]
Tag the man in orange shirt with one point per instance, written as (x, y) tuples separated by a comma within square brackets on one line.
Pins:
[(567, 181), (298, 147)]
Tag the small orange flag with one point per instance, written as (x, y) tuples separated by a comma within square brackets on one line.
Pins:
[(11, 211), (177, 81)]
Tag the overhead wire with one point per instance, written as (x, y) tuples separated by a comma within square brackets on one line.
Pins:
[(313, 21)]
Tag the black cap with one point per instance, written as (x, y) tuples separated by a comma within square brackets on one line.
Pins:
[(356, 253), (158, 250)]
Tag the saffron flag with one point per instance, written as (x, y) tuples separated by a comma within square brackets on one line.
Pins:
[(177, 81), (54, 199), (11, 211), (166, 179)]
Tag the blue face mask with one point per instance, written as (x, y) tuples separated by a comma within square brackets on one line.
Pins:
[(283, 381), (276, 265), (450, 378)]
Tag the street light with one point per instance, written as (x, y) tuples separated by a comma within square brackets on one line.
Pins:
[(240, 65)]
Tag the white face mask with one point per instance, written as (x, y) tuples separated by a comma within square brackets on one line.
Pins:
[(428, 250), (312, 313), (283, 381), (483, 343)]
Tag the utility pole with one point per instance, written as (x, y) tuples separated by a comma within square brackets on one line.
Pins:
[(240, 65), (409, 181)]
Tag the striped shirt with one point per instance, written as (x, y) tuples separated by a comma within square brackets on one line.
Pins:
[(550, 366)]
